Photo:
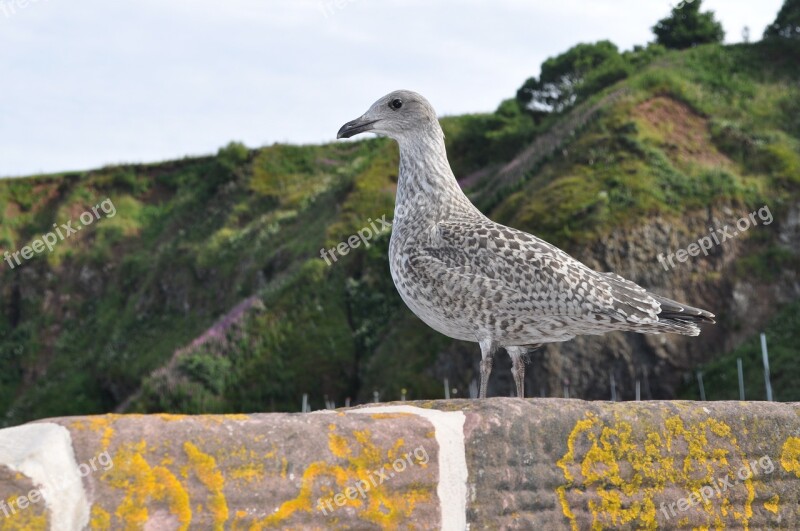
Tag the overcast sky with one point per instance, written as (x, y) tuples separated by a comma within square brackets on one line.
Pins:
[(92, 82)]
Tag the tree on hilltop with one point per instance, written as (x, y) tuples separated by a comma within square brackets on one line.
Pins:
[(787, 25), (686, 26), (566, 78)]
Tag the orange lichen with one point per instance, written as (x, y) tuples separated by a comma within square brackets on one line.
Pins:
[(790, 455), (101, 519), (617, 474), (103, 423), (170, 417), (338, 444), (244, 463), (363, 457), (381, 416), (772, 504), (240, 521), (239, 417), (143, 486), (249, 473), (99, 424), (32, 518), (272, 453), (205, 468)]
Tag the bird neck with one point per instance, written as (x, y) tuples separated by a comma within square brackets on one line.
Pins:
[(426, 186)]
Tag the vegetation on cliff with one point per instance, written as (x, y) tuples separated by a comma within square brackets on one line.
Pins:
[(86, 328)]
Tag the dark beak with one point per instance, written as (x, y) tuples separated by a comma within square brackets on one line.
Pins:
[(359, 125)]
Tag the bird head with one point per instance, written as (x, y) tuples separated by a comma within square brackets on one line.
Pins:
[(399, 115)]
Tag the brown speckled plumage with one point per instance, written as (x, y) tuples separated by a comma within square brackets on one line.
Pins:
[(476, 280)]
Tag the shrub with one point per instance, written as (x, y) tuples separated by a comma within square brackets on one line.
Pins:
[(207, 369), (686, 26), (234, 154), (787, 24), (580, 71)]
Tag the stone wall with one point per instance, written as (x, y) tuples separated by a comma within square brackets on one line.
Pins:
[(501, 463)]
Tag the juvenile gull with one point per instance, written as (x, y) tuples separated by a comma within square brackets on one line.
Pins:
[(476, 280)]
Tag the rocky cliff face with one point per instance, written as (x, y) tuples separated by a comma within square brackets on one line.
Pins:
[(743, 301), (496, 463)]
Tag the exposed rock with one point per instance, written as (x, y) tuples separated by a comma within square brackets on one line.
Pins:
[(497, 463), (743, 305)]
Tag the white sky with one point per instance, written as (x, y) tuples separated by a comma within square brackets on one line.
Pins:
[(92, 82)]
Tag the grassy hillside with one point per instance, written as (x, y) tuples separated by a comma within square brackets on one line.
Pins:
[(111, 314)]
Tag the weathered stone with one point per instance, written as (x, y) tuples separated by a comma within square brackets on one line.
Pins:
[(13, 487), (501, 463), (627, 465)]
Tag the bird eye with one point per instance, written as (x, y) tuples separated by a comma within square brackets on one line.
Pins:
[(396, 103)]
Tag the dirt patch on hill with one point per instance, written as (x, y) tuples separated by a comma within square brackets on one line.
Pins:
[(12, 210), (683, 134)]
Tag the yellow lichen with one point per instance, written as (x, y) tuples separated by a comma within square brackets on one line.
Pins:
[(205, 468), (103, 423), (98, 424), (245, 464), (240, 521), (383, 416), (238, 417), (617, 474), (284, 467), (171, 417), (101, 519), (338, 444), (249, 473), (272, 453), (772, 504), (562, 463), (790, 455), (143, 486), (176, 495), (379, 506), (32, 518)]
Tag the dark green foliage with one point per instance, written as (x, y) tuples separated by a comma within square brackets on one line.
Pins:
[(125, 179), (789, 107), (720, 377), (641, 56), (209, 369), (617, 170), (475, 141), (580, 71), (787, 24), (17, 350), (686, 26), (182, 250), (768, 264), (233, 155)]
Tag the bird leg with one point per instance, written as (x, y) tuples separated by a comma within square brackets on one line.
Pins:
[(518, 368), (488, 349)]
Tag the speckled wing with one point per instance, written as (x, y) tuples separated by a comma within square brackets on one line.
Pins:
[(522, 274)]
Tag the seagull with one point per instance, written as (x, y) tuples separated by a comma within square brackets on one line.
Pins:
[(476, 280)]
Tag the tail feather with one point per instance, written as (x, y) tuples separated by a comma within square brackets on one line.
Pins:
[(654, 314), (674, 310)]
